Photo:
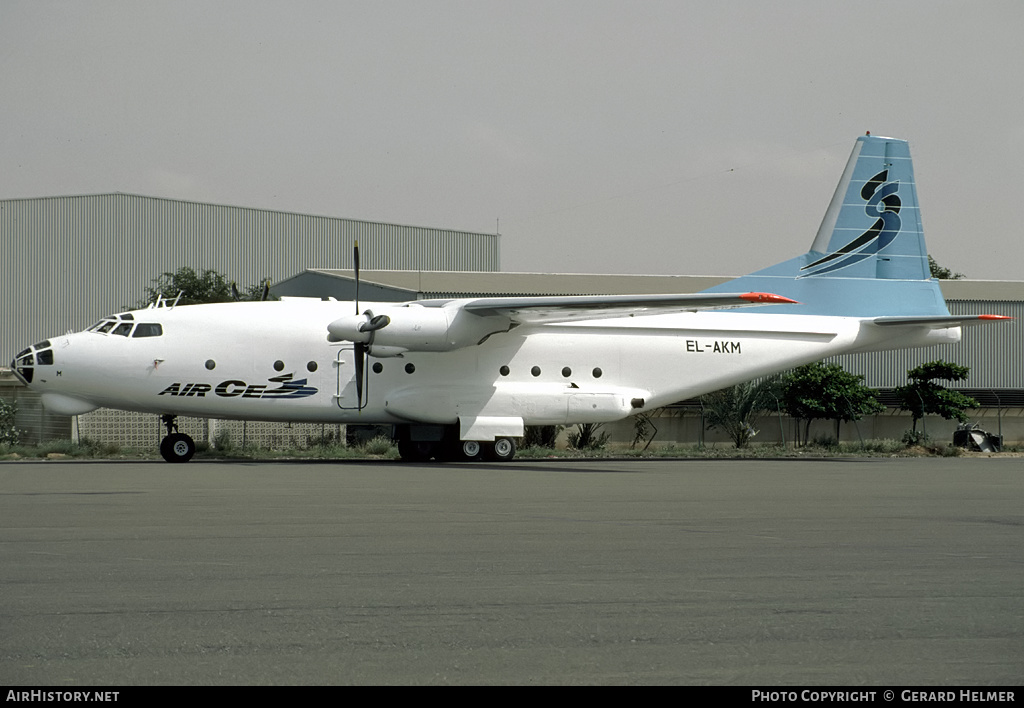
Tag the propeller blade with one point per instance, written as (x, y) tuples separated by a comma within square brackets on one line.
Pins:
[(360, 352), (355, 261), (266, 290), (234, 292)]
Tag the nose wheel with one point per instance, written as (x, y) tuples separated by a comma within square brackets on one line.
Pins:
[(176, 447)]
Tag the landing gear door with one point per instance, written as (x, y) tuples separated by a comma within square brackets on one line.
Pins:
[(346, 395)]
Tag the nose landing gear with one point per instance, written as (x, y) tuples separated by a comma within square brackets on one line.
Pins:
[(176, 446)]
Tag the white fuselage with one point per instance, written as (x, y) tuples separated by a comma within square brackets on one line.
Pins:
[(273, 361)]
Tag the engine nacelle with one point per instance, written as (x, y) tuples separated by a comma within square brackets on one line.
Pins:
[(414, 328)]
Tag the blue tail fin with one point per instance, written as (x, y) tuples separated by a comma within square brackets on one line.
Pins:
[(869, 257)]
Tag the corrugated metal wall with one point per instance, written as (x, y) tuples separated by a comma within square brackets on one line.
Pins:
[(69, 260)]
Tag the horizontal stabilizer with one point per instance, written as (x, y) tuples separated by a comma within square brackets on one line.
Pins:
[(939, 321)]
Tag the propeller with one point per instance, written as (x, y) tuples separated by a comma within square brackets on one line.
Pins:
[(360, 347), (369, 326)]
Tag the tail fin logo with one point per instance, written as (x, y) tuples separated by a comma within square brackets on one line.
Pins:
[(883, 203)]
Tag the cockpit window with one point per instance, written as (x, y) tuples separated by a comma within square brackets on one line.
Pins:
[(148, 329), (98, 327), (122, 325)]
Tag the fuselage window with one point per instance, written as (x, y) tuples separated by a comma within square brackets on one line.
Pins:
[(123, 329), (148, 329)]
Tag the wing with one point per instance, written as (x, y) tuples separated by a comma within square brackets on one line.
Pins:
[(569, 308)]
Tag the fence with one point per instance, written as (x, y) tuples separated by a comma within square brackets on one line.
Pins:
[(1002, 415)]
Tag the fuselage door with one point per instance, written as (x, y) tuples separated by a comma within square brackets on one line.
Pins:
[(346, 394)]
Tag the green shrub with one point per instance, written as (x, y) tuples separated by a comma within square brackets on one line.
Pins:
[(9, 433), (544, 436), (379, 445), (914, 437), (585, 437)]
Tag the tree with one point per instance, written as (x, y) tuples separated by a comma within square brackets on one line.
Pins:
[(737, 409), (922, 396), (941, 273), (196, 288), (828, 392)]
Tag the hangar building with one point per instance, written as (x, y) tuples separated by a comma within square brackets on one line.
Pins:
[(70, 260)]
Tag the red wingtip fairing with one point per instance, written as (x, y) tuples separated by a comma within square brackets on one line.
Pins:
[(768, 298)]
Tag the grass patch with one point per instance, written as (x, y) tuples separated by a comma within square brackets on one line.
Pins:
[(66, 449)]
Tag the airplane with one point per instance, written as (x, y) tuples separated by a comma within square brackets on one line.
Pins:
[(459, 379)]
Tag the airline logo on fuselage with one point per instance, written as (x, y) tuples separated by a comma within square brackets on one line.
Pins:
[(882, 202), (234, 388)]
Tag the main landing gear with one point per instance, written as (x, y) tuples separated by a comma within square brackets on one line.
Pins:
[(450, 449), (176, 447)]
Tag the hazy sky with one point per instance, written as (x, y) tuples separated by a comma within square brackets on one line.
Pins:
[(606, 136)]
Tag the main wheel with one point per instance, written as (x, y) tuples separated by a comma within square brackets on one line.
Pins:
[(502, 450), (470, 450), (177, 447)]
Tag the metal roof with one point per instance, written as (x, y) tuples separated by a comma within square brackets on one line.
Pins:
[(473, 283)]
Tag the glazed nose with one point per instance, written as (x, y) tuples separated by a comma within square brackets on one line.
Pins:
[(25, 362)]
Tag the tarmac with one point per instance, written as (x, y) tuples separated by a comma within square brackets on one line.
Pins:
[(852, 572)]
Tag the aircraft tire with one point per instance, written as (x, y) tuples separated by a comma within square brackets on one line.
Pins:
[(177, 447), (470, 450), (501, 450)]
